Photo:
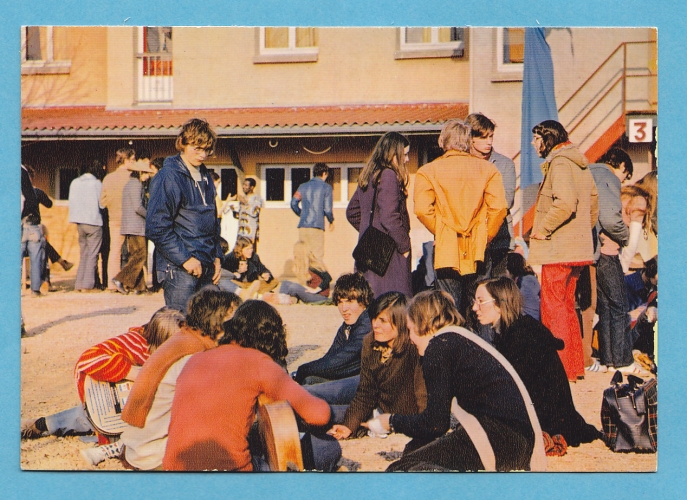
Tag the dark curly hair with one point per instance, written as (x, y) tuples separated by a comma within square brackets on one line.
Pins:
[(257, 325), (552, 133), (207, 309), (353, 286)]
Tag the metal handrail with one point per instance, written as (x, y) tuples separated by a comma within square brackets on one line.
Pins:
[(623, 45), (622, 78)]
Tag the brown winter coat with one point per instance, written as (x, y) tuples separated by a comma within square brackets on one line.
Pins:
[(461, 200), (567, 209)]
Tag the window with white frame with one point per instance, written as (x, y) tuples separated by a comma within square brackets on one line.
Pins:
[(280, 182), (418, 42), (286, 44), (154, 61), (38, 52), (510, 50)]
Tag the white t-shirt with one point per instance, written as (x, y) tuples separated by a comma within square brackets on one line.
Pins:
[(145, 447)]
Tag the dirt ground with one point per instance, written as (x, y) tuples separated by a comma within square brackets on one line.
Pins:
[(62, 324)]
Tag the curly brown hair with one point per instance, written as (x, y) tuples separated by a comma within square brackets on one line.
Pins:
[(258, 325)]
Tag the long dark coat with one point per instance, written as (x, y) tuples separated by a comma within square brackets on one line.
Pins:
[(531, 348), (391, 217)]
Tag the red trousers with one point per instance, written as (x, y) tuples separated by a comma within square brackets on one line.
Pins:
[(558, 313)]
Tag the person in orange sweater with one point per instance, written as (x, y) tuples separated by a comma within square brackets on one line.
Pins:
[(216, 394)]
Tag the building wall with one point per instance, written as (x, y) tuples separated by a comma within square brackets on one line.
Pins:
[(214, 68), (576, 54), (85, 84)]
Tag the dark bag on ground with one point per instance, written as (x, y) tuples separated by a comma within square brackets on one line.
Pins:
[(375, 248), (629, 414)]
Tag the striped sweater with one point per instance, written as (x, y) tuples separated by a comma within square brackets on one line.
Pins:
[(111, 360)]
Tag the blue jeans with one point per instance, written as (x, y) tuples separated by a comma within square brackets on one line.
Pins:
[(69, 422), (300, 292), (226, 283), (319, 453), (179, 285), (615, 347), (335, 392), (33, 246)]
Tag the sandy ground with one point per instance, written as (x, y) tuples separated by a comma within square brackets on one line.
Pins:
[(62, 324)]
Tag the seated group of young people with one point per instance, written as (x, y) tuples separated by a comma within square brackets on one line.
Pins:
[(244, 273), (394, 366)]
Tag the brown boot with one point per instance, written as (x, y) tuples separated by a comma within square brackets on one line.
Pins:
[(66, 265)]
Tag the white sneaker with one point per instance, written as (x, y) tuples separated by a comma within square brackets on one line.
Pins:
[(634, 369), (93, 456), (597, 367)]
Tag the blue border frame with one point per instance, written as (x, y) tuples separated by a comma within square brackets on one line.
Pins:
[(665, 15)]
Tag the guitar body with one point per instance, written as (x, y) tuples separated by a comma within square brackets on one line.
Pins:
[(104, 402), (279, 433)]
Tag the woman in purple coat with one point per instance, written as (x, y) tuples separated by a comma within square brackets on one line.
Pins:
[(387, 174)]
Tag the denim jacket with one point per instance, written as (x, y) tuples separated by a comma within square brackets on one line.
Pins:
[(182, 216), (315, 196)]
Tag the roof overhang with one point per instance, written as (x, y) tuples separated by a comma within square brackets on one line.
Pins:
[(80, 122)]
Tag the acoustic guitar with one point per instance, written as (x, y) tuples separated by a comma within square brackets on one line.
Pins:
[(104, 402), (279, 434)]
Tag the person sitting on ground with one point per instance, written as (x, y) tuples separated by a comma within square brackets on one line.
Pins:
[(523, 275), (490, 400), (352, 294), (217, 393), (640, 284), (113, 360), (246, 271), (390, 375), (147, 410), (311, 283), (532, 350), (642, 288)]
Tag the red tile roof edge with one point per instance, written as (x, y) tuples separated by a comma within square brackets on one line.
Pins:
[(98, 117)]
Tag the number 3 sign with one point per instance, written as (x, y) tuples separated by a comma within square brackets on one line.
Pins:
[(640, 130)]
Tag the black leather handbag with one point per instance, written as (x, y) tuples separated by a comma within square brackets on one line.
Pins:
[(629, 414), (375, 248)]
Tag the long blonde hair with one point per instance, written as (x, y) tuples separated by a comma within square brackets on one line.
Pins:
[(649, 183), (634, 191)]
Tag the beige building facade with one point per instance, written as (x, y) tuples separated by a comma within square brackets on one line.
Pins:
[(282, 99)]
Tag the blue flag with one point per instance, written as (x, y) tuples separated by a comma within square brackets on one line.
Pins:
[(538, 102)]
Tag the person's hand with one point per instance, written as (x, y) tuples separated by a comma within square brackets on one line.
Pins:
[(651, 314), (243, 267), (193, 267), (331, 226), (406, 254), (266, 276), (339, 432), (218, 271), (537, 236), (133, 373)]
